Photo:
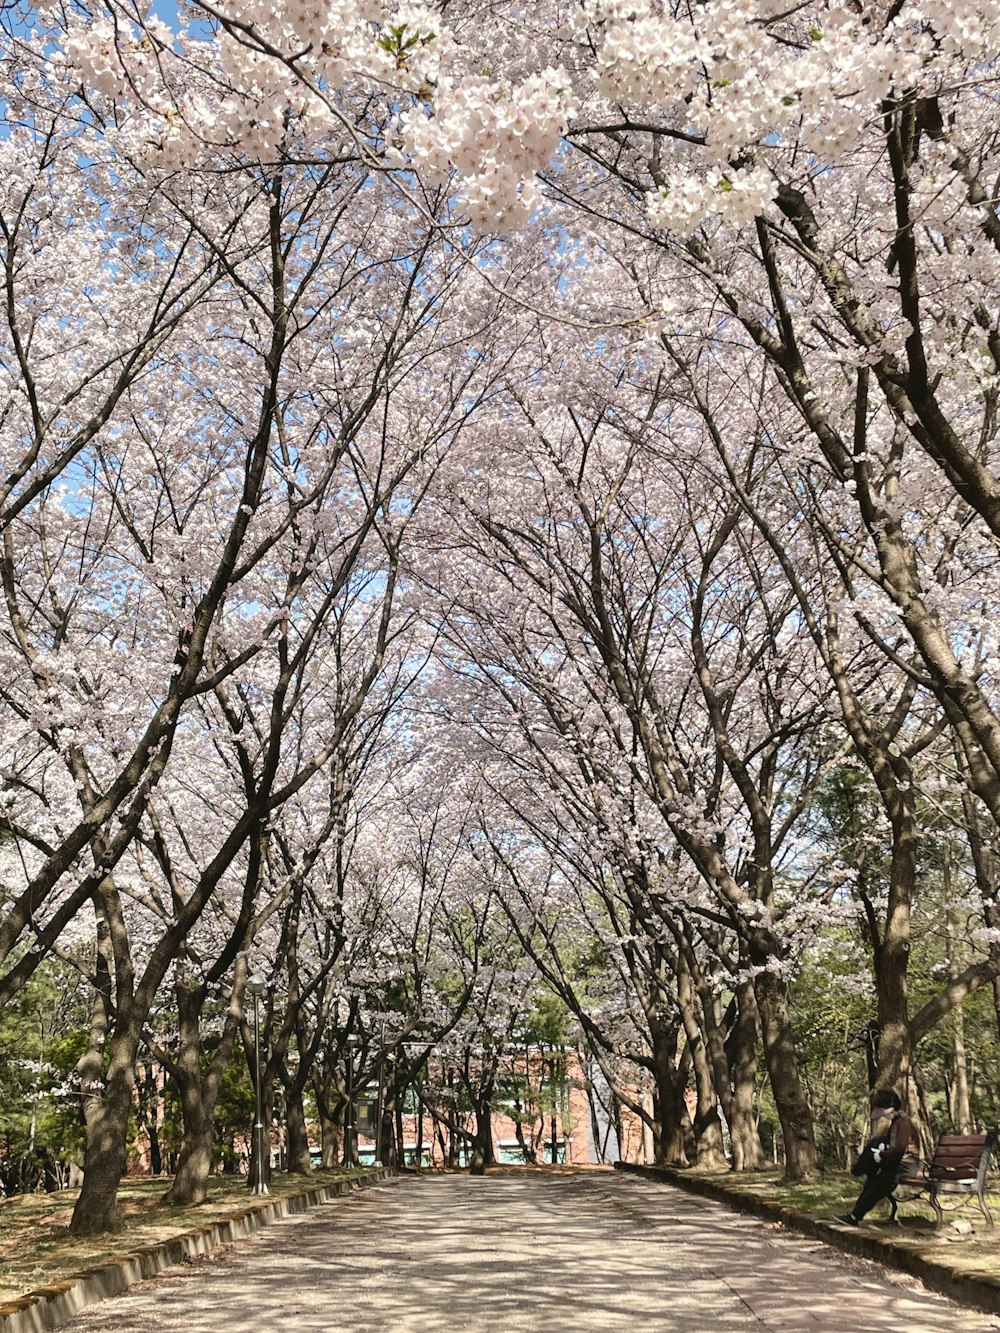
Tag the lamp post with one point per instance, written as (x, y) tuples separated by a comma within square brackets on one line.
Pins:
[(255, 987), (381, 1075), (349, 1153)]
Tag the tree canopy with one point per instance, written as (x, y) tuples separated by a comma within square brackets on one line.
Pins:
[(498, 536)]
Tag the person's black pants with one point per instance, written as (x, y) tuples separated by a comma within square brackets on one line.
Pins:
[(880, 1186)]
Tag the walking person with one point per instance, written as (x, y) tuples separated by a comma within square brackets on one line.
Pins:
[(899, 1159)]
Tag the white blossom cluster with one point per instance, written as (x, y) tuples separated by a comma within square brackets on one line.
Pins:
[(684, 202), (495, 138), (744, 81), (742, 84)]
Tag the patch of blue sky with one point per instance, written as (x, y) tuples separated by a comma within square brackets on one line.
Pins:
[(169, 12)]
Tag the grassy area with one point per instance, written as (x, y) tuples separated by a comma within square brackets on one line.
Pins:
[(36, 1247), (826, 1195), (834, 1193)]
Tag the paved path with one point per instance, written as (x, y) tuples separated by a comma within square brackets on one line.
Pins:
[(553, 1253)]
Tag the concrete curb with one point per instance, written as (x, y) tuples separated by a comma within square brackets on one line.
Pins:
[(52, 1305), (980, 1292)]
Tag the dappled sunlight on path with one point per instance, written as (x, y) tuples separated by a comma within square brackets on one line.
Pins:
[(546, 1252)]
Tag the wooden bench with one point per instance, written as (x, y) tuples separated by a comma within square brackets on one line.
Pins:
[(958, 1167)]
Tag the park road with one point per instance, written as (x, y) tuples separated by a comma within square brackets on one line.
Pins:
[(540, 1252)]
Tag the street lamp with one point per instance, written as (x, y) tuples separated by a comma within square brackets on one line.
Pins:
[(349, 1154), (256, 986), (381, 1077)]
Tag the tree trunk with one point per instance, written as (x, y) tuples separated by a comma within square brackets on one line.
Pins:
[(190, 1185), (895, 1044), (299, 1162), (97, 1207), (331, 1143), (748, 1153), (106, 1097), (198, 1088), (595, 1123), (670, 1111), (483, 1149), (709, 1147), (961, 1111), (418, 1159), (106, 1119), (191, 1181), (719, 1055), (527, 1146), (155, 1156), (386, 1144), (147, 1113), (794, 1112), (399, 1137)]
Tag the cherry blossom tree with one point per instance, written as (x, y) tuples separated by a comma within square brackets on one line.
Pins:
[(613, 632), (210, 530), (761, 543)]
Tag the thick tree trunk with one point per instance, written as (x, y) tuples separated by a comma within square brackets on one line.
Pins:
[(106, 1095), (718, 1054), (199, 1090), (191, 1181), (671, 1119), (333, 1143), (97, 1207), (190, 1185), (794, 1112), (106, 1119), (895, 1044), (483, 1151), (710, 1150), (299, 1162), (748, 1154)]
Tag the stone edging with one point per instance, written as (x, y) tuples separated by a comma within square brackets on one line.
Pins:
[(979, 1291), (52, 1305)]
